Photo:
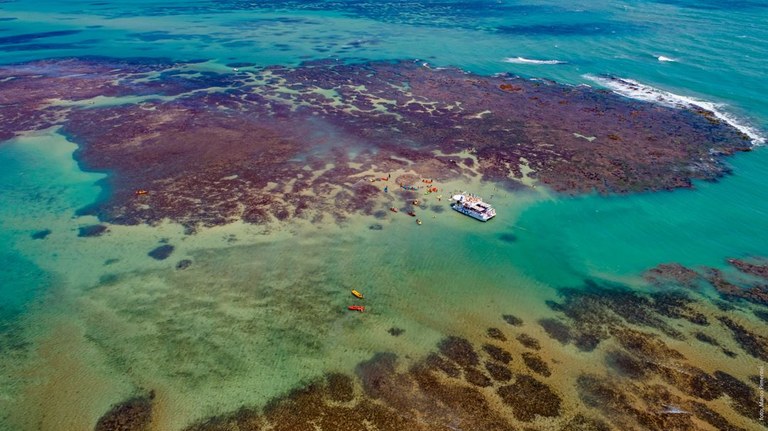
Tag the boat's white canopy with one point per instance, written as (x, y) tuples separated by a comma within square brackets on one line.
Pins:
[(458, 198)]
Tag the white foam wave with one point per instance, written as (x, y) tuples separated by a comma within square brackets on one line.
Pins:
[(523, 60), (665, 59), (636, 90)]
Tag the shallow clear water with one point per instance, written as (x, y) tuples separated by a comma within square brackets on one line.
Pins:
[(145, 321)]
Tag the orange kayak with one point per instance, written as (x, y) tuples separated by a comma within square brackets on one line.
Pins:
[(359, 308), (357, 294)]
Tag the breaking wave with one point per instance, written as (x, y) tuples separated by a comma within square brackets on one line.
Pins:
[(523, 60), (635, 90)]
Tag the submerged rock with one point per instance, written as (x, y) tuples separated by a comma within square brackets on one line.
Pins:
[(513, 320), (134, 414), (162, 252), (91, 231), (41, 234)]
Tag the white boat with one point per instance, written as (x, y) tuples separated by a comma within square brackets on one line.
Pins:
[(473, 206)]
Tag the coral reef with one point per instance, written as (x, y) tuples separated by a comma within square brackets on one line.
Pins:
[(247, 146)]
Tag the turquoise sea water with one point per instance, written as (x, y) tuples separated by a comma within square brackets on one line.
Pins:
[(716, 53)]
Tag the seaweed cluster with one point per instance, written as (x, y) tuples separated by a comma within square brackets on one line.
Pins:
[(445, 390)]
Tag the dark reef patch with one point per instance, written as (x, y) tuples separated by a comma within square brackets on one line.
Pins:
[(513, 320), (743, 397), (529, 397), (498, 353), (28, 37), (508, 237), (340, 387), (754, 344), (477, 377), (712, 417), (459, 350), (757, 267), (528, 341), (761, 314), (673, 273), (92, 231), (41, 234), (756, 293), (536, 364), (626, 364), (134, 414), (184, 264), (498, 372), (704, 338), (437, 362), (162, 252), (496, 334), (248, 136), (556, 330), (395, 331)]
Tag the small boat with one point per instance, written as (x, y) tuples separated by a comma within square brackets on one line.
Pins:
[(411, 213), (359, 308), (141, 192), (418, 221), (416, 202), (473, 206), (357, 294), (393, 209)]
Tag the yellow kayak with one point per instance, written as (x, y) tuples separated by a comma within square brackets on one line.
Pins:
[(357, 294)]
